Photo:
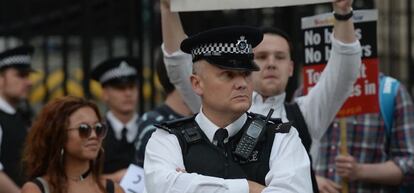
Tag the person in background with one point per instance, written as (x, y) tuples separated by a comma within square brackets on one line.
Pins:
[(379, 159), (310, 114), (206, 152), (15, 68), (119, 80), (63, 150), (173, 108)]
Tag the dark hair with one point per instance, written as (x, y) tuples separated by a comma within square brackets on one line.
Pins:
[(162, 74), (47, 137), (281, 33)]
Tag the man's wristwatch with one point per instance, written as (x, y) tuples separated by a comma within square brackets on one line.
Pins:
[(344, 17)]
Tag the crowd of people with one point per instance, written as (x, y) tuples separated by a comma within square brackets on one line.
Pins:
[(225, 124)]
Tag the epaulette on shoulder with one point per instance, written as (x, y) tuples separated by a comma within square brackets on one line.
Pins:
[(169, 126), (283, 127)]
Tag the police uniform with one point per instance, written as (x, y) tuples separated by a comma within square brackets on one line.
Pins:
[(119, 143), (13, 131), (278, 160)]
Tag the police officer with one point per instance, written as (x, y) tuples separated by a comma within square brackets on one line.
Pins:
[(223, 148), (14, 87), (119, 77)]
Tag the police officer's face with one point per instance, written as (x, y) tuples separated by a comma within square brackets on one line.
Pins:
[(121, 98), (15, 84), (276, 66), (221, 90)]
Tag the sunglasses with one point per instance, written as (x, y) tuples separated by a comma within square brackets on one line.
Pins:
[(85, 130)]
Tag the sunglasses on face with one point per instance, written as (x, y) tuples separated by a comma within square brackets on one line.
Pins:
[(85, 130)]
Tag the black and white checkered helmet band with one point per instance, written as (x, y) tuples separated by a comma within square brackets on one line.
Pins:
[(123, 70), (217, 49), (16, 59)]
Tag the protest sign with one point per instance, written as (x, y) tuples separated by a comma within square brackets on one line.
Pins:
[(317, 45), (204, 5), (133, 180)]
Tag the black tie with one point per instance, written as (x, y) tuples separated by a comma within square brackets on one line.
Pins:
[(124, 135), (220, 135)]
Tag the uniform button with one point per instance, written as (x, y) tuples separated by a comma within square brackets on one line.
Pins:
[(331, 170), (335, 124), (333, 147)]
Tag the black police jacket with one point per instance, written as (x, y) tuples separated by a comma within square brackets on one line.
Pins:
[(203, 157)]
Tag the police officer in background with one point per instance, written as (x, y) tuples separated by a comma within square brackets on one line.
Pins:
[(223, 148), (119, 78), (14, 87)]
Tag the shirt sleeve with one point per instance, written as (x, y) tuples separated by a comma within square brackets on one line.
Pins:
[(320, 105), (402, 135), (163, 156), (289, 165), (179, 66)]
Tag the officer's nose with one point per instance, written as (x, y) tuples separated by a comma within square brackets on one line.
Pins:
[(241, 81)]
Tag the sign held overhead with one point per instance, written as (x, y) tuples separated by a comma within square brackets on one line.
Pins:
[(204, 5)]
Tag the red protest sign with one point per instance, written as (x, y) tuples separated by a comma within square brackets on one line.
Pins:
[(316, 30)]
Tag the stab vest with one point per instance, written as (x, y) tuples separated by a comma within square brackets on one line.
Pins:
[(203, 157), (14, 134)]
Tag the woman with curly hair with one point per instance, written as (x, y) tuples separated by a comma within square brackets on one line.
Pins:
[(63, 152)]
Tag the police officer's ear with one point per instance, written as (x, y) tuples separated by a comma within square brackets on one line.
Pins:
[(197, 84), (291, 67), (2, 78), (196, 78), (105, 95)]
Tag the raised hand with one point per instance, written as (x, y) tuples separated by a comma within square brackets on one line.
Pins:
[(342, 6)]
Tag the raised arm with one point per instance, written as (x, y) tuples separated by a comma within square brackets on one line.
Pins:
[(172, 29), (344, 30), (323, 102), (177, 63)]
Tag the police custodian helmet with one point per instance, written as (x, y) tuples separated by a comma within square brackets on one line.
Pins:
[(19, 58), (116, 71)]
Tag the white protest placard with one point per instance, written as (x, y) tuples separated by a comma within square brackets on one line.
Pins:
[(204, 5), (133, 181)]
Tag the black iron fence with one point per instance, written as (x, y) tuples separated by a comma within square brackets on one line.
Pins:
[(72, 36)]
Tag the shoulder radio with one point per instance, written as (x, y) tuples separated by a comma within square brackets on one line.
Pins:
[(251, 136)]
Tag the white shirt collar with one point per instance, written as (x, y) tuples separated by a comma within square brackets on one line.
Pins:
[(209, 128), (263, 107), (117, 126), (6, 107)]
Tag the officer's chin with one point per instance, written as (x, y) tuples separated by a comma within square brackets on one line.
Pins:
[(241, 107)]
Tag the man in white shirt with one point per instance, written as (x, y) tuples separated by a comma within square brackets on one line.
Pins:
[(199, 154), (15, 67), (119, 78), (273, 55)]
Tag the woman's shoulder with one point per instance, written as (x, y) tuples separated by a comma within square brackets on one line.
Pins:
[(30, 187)]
